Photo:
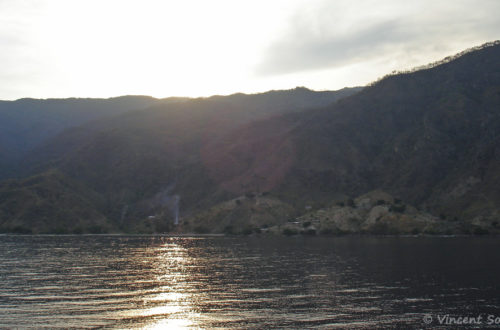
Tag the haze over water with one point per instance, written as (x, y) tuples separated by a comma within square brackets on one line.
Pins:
[(204, 282)]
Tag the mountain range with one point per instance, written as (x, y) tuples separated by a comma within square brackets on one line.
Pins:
[(414, 152)]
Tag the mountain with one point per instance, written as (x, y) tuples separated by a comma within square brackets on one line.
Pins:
[(430, 137), (129, 159), (27, 123), (50, 203), (279, 160)]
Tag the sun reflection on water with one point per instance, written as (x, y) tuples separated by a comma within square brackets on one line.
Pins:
[(171, 304), (173, 283), (171, 324)]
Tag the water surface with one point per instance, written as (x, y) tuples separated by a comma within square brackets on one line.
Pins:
[(206, 282)]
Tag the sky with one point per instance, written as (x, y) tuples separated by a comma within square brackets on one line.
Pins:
[(106, 48)]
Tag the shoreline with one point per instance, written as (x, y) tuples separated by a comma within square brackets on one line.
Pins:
[(194, 235)]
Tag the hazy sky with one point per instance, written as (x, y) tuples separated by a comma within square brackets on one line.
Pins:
[(87, 48)]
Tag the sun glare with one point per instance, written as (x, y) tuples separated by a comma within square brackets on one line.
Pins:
[(159, 48), (93, 48)]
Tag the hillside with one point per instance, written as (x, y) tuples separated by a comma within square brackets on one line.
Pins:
[(128, 159), (428, 137), (27, 123), (50, 203)]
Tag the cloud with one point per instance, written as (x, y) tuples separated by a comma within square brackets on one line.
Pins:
[(306, 52), (334, 34)]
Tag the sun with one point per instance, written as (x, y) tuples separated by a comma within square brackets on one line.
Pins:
[(158, 48)]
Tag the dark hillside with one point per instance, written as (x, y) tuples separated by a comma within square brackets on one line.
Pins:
[(430, 138), (131, 159), (27, 123)]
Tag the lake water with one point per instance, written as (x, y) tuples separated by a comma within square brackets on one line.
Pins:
[(246, 282)]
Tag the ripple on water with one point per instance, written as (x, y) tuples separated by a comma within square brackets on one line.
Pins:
[(159, 282)]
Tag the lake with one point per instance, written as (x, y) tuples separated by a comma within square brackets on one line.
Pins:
[(248, 282)]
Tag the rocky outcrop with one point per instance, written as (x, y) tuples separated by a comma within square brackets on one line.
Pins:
[(376, 212), (250, 213)]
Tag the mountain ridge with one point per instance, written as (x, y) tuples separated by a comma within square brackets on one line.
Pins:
[(427, 137), (137, 153)]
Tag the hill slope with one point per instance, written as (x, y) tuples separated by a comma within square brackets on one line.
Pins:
[(430, 138), (132, 158), (27, 123), (50, 203)]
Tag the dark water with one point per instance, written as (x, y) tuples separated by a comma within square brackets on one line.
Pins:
[(165, 282)]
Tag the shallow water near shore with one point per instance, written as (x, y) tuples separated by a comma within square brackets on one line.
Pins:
[(246, 282)]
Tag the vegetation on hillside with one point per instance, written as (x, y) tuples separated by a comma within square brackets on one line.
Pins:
[(429, 137)]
